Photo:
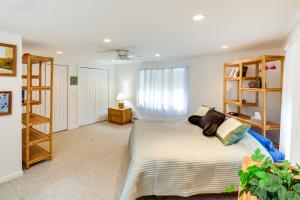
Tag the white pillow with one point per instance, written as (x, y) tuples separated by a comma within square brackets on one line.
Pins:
[(202, 110), (231, 131)]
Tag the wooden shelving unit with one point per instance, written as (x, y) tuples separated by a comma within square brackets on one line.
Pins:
[(37, 145), (257, 62)]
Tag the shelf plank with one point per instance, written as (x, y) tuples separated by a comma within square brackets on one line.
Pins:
[(35, 136), (233, 102), (262, 90), (237, 103), (233, 64), (36, 59), (255, 60), (34, 119), (246, 119), (249, 78), (36, 88), (37, 154), (32, 77), (232, 79), (32, 102)]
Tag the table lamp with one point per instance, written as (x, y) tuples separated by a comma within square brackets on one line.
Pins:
[(121, 98)]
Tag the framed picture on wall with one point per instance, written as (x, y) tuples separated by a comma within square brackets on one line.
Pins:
[(5, 102), (8, 60)]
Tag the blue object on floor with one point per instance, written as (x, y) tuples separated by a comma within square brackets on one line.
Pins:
[(268, 145)]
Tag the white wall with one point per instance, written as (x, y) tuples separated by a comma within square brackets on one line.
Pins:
[(11, 127)]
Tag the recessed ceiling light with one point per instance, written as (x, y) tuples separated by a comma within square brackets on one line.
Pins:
[(157, 55), (198, 17), (107, 40), (225, 47), (59, 52)]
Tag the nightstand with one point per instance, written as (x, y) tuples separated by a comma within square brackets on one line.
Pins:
[(119, 115)]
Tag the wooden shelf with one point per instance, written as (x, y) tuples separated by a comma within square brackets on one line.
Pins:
[(237, 103), (35, 136), (261, 89), (259, 64), (259, 59), (32, 102), (249, 78), (243, 78), (255, 60), (247, 119), (32, 77), (38, 154), (36, 59), (232, 79), (233, 102), (32, 152), (36, 88), (34, 119)]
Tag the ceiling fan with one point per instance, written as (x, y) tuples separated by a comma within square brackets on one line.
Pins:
[(120, 55)]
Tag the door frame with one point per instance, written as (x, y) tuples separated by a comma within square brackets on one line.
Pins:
[(78, 75)]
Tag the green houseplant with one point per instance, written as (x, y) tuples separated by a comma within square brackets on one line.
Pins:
[(268, 181)]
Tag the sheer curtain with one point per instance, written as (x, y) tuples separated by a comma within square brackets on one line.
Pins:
[(290, 109), (163, 92)]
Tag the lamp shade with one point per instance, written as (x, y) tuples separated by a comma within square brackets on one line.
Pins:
[(121, 97)]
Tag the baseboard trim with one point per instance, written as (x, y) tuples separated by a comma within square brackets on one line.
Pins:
[(73, 127), (11, 176)]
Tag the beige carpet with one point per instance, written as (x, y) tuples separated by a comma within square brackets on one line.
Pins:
[(89, 163)]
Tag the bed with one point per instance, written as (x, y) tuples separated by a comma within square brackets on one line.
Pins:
[(173, 157)]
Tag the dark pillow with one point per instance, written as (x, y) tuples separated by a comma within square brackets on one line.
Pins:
[(195, 119), (211, 121)]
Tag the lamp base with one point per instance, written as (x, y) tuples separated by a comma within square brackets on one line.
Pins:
[(121, 105)]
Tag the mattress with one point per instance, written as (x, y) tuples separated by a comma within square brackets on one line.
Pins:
[(173, 157)]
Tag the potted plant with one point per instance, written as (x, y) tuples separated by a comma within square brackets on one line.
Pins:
[(269, 181)]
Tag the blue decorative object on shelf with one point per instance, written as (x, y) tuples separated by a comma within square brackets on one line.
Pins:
[(268, 145), (23, 96)]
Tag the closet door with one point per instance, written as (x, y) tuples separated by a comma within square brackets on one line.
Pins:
[(101, 103), (93, 95), (83, 95)]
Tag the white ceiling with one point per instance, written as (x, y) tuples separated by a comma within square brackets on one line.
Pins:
[(147, 27)]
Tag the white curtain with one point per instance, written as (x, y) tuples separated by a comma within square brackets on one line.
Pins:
[(290, 109), (163, 92)]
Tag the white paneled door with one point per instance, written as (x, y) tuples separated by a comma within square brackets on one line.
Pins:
[(93, 95), (101, 95), (83, 95), (60, 98)]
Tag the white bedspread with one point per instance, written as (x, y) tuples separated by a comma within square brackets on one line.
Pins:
[(175, 158)]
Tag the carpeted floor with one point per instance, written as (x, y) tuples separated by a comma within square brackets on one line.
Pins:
[(89, 163)]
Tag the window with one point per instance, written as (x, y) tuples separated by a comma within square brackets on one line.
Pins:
[(163, 92)]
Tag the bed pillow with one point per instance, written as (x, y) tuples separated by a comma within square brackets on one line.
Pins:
[(202, 110), (195, 119), (211, 121), (268, 145), (232, 131)]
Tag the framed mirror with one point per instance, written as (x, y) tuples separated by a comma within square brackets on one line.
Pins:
[(8, 60)]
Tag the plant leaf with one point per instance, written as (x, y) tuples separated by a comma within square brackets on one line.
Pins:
[(262, 174), (257, 156), (297, 188), (281, 192), (270, 183), (230, 188)]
